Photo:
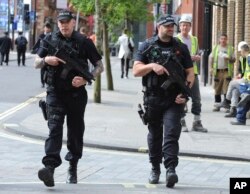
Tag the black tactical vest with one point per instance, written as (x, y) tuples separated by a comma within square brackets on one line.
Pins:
[(54, 73), (152, 82)]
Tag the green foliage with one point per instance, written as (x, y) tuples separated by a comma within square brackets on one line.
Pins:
[(115, 12)]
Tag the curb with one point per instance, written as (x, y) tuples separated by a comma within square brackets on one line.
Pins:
[(135, 150)]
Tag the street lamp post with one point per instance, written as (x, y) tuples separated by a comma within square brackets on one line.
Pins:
[(34, 21), (206, 39)]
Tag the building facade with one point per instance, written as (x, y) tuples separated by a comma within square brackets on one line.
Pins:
[(234, 20), (211, 18)]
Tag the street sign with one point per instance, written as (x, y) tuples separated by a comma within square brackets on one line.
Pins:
[(32, 15), (3, 15)]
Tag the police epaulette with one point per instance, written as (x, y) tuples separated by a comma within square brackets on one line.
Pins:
[(151, 40)]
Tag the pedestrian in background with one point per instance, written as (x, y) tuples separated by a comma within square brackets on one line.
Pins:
[(5, 46), (93, 37), (221, 61), (66, 97), (83, 30), (125, 52), (47, 29), (191, 41), (164, 108), (21, 44)]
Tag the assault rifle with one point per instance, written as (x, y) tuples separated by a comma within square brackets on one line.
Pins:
[(176, 76), (70, 56)]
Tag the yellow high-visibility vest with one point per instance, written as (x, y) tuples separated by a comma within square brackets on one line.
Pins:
[(194, 49), (242, 65), (215, 54), (246, 71)]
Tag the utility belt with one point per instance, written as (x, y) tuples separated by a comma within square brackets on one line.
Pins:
[(52, 77), (158, 97), (153, 92), (49, 76)]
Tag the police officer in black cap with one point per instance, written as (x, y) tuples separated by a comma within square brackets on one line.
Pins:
[(163, 108), (65, 97), (5, 46)]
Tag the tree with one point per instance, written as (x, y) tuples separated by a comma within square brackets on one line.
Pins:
[(109, 14), (97, 86)]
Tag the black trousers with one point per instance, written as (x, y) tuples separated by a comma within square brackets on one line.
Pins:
[(124, 63), (164, 133), (1, 58), (42, 72), (21, 54), (71, 105), (4, 55)]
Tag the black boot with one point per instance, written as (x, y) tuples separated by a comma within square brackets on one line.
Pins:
[(232, 113), (154, 174), (226, 104), (47, 176), (72, 172), (171, 177)]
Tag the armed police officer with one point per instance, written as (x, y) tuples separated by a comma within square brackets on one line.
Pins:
[(164, 107), (66, 94)]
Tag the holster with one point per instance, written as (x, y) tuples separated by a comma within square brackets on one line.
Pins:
[(42, 105)]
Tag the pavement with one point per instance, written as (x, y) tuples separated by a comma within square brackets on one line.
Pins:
[(115, 124), (108, 172)]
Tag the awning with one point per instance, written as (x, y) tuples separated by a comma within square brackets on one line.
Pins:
[(221, 3)]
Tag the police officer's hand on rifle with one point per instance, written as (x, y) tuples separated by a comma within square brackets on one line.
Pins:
[(78, 81), (159, 69), (180, 99), (54, 61)]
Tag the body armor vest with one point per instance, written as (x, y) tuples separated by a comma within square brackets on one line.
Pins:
[(53, 74), (152, 82)]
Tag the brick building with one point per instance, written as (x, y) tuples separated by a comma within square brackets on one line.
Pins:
[(223, 16), (46, 10), (233, 19)]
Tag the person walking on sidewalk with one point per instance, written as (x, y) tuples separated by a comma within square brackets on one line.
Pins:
[(5, 46), (164, 108), (222, 59), (65, 96), (125, 54), (83, 30), (47, 29), (21, 43), (193, 47), (233, 92)]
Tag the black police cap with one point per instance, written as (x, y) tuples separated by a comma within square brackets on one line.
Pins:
[(166, 20), (65, 15)]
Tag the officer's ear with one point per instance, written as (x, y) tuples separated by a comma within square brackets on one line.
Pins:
[(157, 28)]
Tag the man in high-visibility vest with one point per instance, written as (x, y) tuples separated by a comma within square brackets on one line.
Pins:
[(192, 44), (222, 59), (233, 92)]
